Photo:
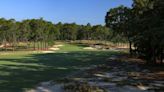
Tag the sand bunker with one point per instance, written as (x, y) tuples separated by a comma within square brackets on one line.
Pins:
[(60, 45), (89, 48), (1, 46), (47, 51), (54, 48)]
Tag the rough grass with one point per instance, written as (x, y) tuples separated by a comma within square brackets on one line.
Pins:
[(22, 70)]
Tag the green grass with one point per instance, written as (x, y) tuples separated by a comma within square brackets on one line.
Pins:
[(21, 70), (71, 47)]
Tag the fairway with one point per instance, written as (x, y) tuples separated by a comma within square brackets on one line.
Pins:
[(22, 70)]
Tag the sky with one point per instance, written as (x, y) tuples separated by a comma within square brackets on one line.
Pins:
[(65, 11)]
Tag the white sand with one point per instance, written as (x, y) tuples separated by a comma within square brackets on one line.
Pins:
[(54, 48), (89, 48), (47, 51), (1, 46), (60, 45)]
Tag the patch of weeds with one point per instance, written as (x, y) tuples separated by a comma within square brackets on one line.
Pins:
[(81, 87)]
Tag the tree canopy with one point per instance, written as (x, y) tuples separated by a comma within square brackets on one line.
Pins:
[(142, 25)]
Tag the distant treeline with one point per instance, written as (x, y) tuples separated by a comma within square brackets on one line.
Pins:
[(33, 30), (40, 30)]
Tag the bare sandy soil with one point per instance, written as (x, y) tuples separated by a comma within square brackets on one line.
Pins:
[(115, 76)]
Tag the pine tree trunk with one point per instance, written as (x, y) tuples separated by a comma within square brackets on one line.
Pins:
[(41, 47), (130, 48), (161, 56), (34, 46), (45, 45), (38, 45), (5, 45)]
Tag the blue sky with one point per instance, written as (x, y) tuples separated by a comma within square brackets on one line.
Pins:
[(66, 11)]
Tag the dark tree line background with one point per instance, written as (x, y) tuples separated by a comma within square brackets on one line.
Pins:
[(143, 26), (43, 33)]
